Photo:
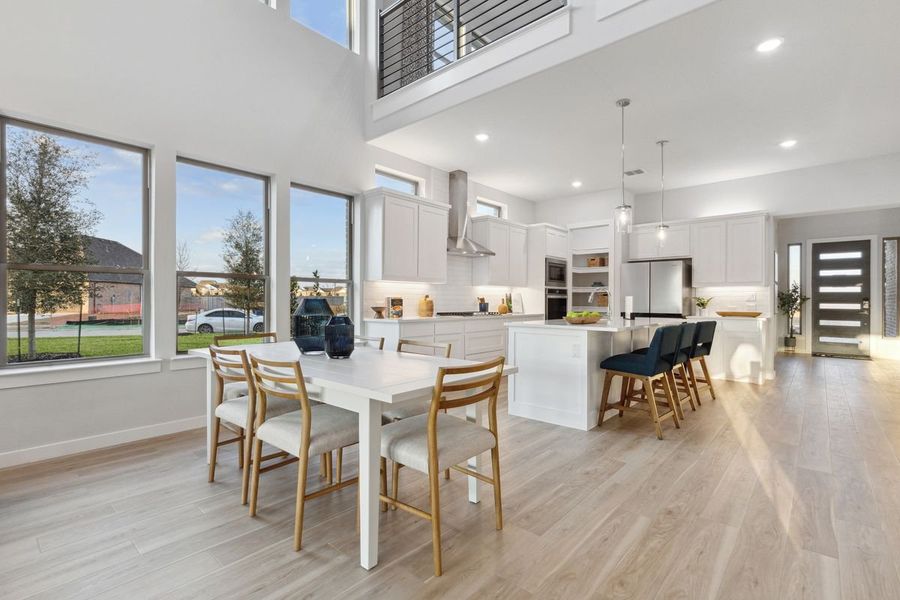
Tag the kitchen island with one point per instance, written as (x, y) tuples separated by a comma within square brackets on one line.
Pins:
[(560, 379)]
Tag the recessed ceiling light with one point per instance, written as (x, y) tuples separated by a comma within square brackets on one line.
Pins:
[(769, 45), (788, 143), (482, 137), (576, 184)]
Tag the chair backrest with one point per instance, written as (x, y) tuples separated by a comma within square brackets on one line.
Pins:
[(230, 366), (282, 379), (455, 393), (686, 340), (703, 337), (365, 341), (260, 336), (664, 344), (440, 348)]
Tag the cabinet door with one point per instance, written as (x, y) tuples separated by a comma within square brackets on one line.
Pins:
[(456, 341), (677, 243), (557, 244), (518, 257), (643, 243), (498, 241), (432, 244), (401, 243), (743, 357), (746, 251), (708, 251)]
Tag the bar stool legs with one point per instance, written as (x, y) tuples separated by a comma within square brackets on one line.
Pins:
[(646, 394)]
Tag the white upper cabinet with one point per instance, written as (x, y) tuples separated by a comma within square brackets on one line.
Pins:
[(406, 237), (432, 244), (509, 242), (557, 243), (590, 237), (644, 243), (746, 251), (729, 251)]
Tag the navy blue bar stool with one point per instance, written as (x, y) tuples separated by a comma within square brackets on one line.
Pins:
[(647, 368), (678, 376), (703, 341)]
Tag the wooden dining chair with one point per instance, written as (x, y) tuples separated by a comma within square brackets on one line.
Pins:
[(310, 429), (237, 389), (374, 342), (435, 349), (433, 442), (231, 367)]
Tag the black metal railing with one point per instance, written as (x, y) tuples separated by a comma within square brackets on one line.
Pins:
[(418, 37)]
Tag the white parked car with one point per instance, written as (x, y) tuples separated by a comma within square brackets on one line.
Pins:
[(223, 320)]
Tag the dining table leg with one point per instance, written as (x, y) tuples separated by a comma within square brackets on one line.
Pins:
[(369, 465), (475, 414)]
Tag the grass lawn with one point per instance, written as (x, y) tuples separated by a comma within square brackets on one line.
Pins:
[(104, 345)]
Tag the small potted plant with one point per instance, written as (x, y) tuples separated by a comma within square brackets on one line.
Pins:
[(703, 304), (789, 303)]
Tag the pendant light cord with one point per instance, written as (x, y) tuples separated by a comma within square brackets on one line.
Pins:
[(662, 180), (623, 105)]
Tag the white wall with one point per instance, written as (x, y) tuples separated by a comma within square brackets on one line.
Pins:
[(867, 183), (879, 223), (580, 208)]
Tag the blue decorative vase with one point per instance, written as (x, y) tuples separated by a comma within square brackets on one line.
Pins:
[(339, 337), (310, 319)]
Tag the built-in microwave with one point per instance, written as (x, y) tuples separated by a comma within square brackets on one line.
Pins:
[(554, 273)]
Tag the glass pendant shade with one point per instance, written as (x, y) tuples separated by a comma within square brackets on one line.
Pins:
[(623, 218), (662, 232)]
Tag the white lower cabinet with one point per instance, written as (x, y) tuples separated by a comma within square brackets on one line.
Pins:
[(739, 350)]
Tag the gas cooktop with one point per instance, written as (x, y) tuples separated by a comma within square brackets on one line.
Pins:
[(466, 314)]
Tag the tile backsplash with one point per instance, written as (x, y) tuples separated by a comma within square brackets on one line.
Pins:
[(458, 294), (737, 298)]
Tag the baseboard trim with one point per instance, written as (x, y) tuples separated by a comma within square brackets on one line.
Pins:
[(96, 442)]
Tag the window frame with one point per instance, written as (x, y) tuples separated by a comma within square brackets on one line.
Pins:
[(884, 290), (799, 315), (267, 209), (499, 208), (143, 271), (349, 235), (390, 174)]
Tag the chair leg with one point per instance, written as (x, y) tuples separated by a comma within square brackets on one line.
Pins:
[(240, 452), (301, 499), (340, 464), (395, 481), (690, 371), (623, 394), (254, 487), (495, 471), (245, 475), (687, 387), (604, 398), (214, 450), (671, 400), (670, 380), (648, 385), (435, 520), (712, 390), (323, 466), (383, 474), (329, 470)]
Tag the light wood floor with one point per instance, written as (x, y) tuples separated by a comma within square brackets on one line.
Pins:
[(790, 490)]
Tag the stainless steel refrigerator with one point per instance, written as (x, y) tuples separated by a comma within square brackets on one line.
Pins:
[(658, 288)]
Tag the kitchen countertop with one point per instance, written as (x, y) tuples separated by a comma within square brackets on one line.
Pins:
[(412, 319), (608, 326), (720, 318)]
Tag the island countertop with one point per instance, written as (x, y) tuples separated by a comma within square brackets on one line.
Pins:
[(604, 325)]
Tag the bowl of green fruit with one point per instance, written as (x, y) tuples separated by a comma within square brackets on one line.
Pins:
[(582, 318)]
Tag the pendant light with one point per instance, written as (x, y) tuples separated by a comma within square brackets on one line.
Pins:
[(662, 228), (624, 210)]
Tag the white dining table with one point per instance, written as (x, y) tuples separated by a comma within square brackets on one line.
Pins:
[(363, 383)]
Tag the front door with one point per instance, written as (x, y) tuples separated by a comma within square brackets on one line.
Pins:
[(841, 282)]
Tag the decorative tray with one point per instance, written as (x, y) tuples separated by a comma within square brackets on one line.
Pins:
[(737, 313)]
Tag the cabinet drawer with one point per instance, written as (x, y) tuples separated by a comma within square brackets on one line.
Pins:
[(483, 356), (489, 341), (456, 341), (408, 330), (452, 327), (484, 324), (427, 339)]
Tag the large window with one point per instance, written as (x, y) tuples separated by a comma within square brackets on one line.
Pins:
[(396, 182), (321, 247), (221, 258), (795, 269), (331, 18), (73, 269), (891, 282)]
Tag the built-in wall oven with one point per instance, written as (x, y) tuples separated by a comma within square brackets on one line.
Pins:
[(556, 303), (554, 273)]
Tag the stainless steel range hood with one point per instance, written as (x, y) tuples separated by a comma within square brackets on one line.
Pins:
[(459, 243)]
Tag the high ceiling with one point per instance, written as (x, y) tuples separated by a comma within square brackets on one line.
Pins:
[(834, 86)]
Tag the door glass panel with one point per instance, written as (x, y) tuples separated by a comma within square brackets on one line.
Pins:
[(838, 340), (849, 289), (839, 272), (840, 255), (891, 287), (839, 306), (833, 323)]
